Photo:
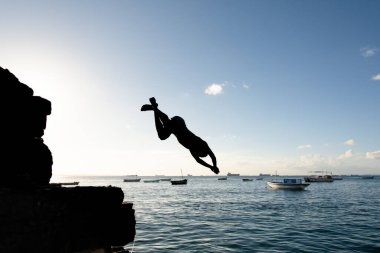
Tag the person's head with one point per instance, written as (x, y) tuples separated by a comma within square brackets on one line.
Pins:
[(177, 122)]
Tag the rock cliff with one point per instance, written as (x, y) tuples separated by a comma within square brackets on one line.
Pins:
[(36, 216)]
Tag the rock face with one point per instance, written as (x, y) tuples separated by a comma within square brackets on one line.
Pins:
[(64, 220), (36, 216), (25, 159)]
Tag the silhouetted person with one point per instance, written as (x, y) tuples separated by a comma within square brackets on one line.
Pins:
[(176, 125)]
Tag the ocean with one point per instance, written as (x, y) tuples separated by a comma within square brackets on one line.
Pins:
[(210, 215)]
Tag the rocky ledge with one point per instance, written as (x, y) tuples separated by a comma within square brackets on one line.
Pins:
[(64, 219), (36, 216)]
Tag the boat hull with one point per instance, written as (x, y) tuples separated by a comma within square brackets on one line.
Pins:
[(132, 180), (178, 182), (152, 181), (287, 186)]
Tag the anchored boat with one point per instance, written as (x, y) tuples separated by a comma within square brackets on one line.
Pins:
[(288, 184)]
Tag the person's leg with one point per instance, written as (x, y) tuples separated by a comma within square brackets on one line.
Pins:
[(162, 121)]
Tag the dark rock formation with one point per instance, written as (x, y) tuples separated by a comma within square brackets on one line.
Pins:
[(25, 160), (64, 220), (36, 216)]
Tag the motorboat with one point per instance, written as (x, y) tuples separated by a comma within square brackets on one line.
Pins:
[(368, 177), (247, 179), (165, 179), (320, 176), (222, 178), (288, 184)]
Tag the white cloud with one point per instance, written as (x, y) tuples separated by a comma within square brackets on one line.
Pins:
[(373, 155), (346, 154), (368, 51), (245, 86), (376, 77), (350, 142), (304, 146), (214, 89)]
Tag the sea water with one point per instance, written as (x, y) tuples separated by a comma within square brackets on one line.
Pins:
[(210, 215)]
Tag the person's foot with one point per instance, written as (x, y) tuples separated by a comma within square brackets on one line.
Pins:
[(153, 102), (146, 108)]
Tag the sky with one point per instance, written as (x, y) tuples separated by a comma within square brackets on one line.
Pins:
[(272, 86)]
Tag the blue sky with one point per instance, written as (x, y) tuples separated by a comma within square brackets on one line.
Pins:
[(286, 86)]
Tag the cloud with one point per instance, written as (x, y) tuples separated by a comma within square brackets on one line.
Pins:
[(304, 146), (214, 89), (346, 154), (350, 142), (373, 155), (368, 51), (376, 77), (245, 86)]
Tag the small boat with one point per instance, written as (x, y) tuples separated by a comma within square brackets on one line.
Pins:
[(178, 182), (152, 181), (130, 180), (264, 175), (222, 178), (368, 177), (259, 178), (165, 179), (323, 177), (288, 184), (70, 183), (232, 174), (247, 179)]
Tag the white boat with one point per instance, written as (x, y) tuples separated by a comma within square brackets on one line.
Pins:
[(288, 184)]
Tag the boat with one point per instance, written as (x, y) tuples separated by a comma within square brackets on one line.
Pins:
[(62, 184), (130, 180), (152, 181), (70, 183), (323, 177), (259, 178), (247, 179), (222, 178), (232, 174), (337, 178), (264, 175), (165, 179), (368, 177), (288, 184), (177, 182)]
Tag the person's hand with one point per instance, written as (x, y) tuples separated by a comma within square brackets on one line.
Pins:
[(215, 169)]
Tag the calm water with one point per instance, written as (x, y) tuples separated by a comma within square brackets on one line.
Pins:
[(209, 215)]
